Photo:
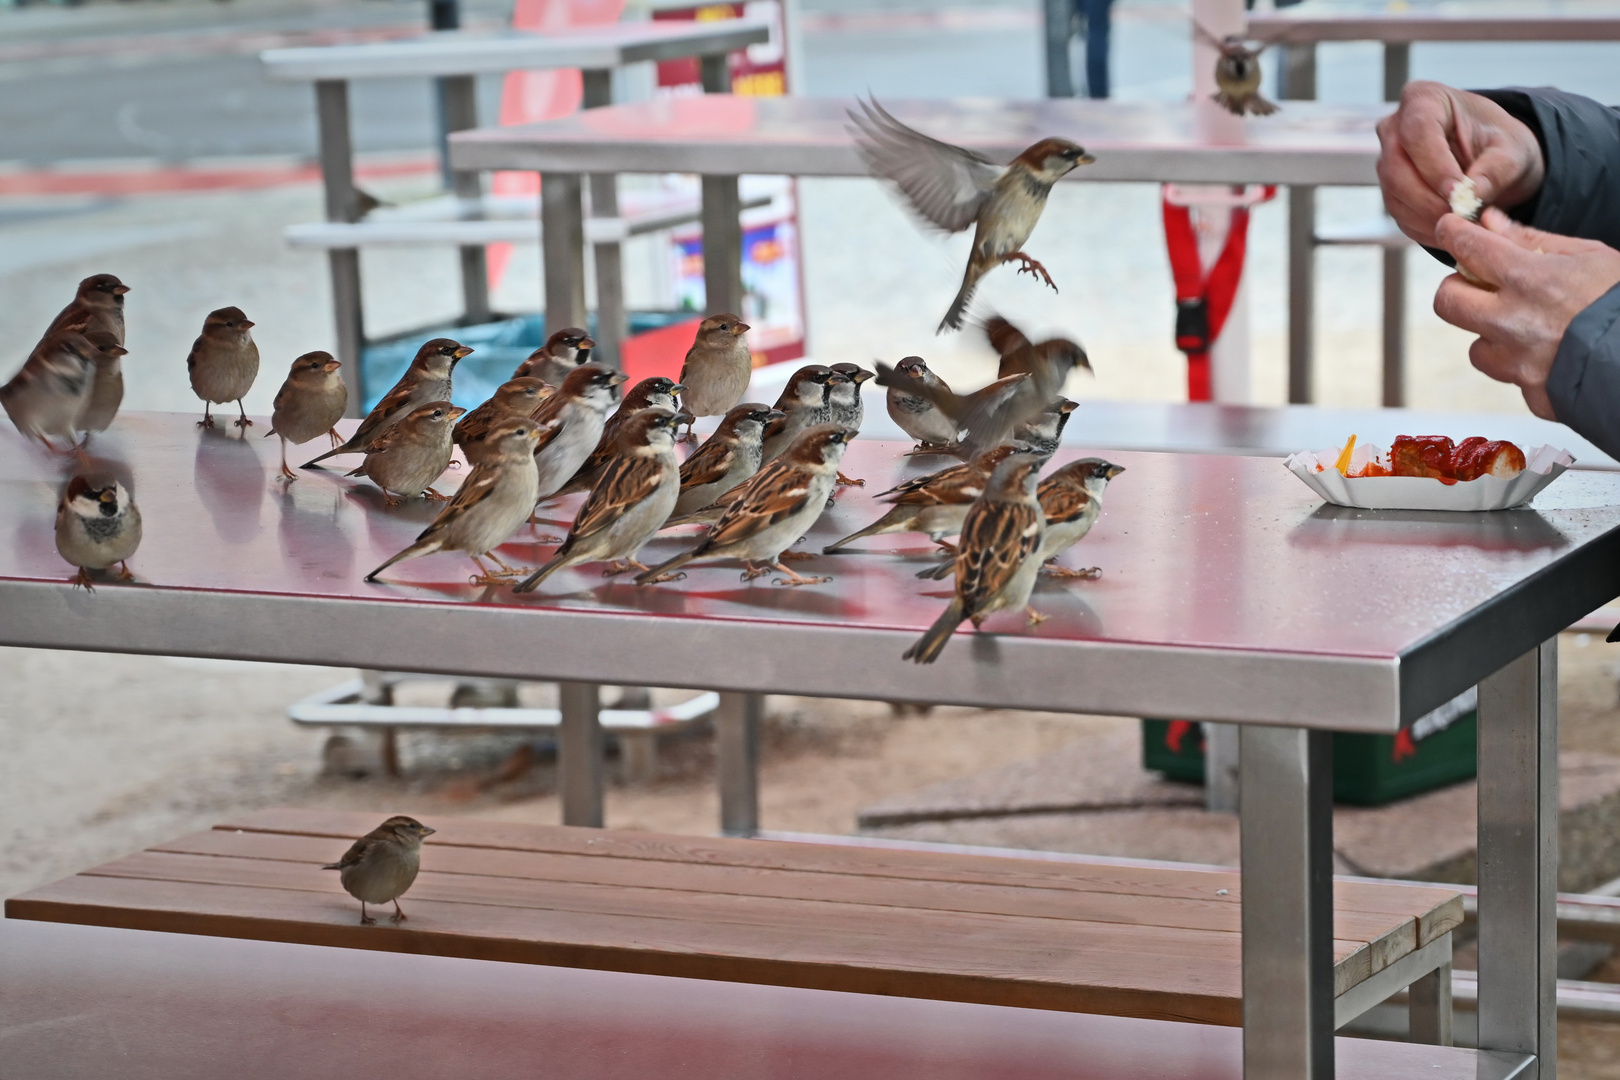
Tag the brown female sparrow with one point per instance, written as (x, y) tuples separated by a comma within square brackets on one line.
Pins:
[(727, 458), (309, 404), (997, 556), (107, 388), (579, 407), (563, 352), (1071, 499), (46, 397), (493, 503), (427, 379), (718, 366), (657, 392), (97, 526), (1048, 364), (952, 188), (382, 864), (805, 402), (1237, 74), (916, 415), (987, 417), (775, 508), (935, 504), (99, 305), (514, 397), (408, 457), (629, 504), (223, 363)]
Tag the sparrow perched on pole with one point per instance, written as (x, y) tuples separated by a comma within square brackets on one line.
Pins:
[(935, 504), (98, 305), (563, 352), (493, 503), (727, 458), (427, 379), (382, 864), (97, 526), (775, 508), (406, 459), (951, 188), (997, 555), (223, 363), (47, 396), (717, 366), (917, 415), (629, 504), (309, 404), (805, 402), (107, 387), (514, 397), (657, 392), (1071, 499), (579, 407), (1237, 74)]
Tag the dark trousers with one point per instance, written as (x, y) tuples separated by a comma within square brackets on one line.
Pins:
[(1095, 18)]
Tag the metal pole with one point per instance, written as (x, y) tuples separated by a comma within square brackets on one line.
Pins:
[(1299, 84), (337, 174), (1518, 858), (722, 216), (1059, 23), (1221, 771), (562, 247), (1286, 832), (1429, 1008), (444, 15), (1397, 70), (580, 753), (736, 730), (612, 322), (458, 99)]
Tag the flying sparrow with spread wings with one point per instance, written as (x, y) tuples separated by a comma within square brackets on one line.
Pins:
[(383, 864), (951, 188), (309, 404), (563, 352), (1237, 74), (406, 459), (47, 396), (727, 458), (223, 363), (97, 525), (427, 379), (917, 415)]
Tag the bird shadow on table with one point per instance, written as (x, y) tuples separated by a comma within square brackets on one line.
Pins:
[(313, 543), (1489, 530), (229, 479)]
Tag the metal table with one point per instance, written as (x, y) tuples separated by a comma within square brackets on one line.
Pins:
[(722, 137), (1230, 594), (456, 58)]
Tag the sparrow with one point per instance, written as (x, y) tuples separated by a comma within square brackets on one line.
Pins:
[(516, 397), (309, 404), (408, 457), (727, 458), (629, 504), (96, 527), (98, 305), (46, 397), (997, 555), (916, 415), (427, 379), (1048, 363), (775, 508), (563, 352), (805, 402), (1237, 74), (657, 392), (493, 503), (987, 417), (1071, 499), (951, 188), (935, 504), (382, 864), (107, 386), (223, 363), (717, 367), (579, 408), (845, 407)]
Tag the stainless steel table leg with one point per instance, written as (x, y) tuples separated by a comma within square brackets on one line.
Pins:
[(714, 71), (1299, 84), (736, 729), (337, 174), (1429, 1008), (1287, 843), (459, 95), (579, 754), (1518, 858), (722, 245), (612, 322), (562, 246), (1221, 782), (1394, 327)]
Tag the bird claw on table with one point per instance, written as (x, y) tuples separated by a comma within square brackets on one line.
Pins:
[(429, 493), (1033, 268), (241, 421), (1035, 617), (82, 578), (1090, 573), (792, 555), (922, 449), (946, 547), (674, 575), (798, 579), (617, 567), (752, 572), (848, 482), (125, 573), (206, 422)]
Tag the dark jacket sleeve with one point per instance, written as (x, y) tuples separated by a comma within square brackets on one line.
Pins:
[(1584, 384)]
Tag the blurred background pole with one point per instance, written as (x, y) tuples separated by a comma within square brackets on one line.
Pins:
[(444, 15), (1059, 29)]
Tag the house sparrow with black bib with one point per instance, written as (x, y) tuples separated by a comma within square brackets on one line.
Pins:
[(951, 188), (223, 363), (427, 379), (657, 392), (805, 402), (1048, 363), (718, 366), (406, 459), (846, 406), (1237, 74), (915, 414), (997, 555), (309, 404), (382, 864), (98, 305), (1071, 499), (97, 524), (563, 352), (935, 504), (1043, 432), (629, 503), (775, 508), (727, 458), (107, 387), (493, 503), (514, 397), (579, 408), (46, 397)]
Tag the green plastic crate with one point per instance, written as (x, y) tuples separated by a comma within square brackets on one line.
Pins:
[(1368, 770)]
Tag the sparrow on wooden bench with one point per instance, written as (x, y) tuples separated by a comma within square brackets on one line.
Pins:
[(382, 864)]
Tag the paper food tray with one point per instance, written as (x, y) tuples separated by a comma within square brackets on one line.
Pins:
[(1543, 465)]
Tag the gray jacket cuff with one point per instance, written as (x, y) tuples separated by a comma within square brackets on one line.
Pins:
[(1584, 384), (1581, 193)]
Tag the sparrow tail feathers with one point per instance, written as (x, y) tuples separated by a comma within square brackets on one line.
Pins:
[(878, 526), (528, 584), (664, 567), (336, 450), (332, 866), (929, 646), (970, 281), (940, 572), (415, 551)]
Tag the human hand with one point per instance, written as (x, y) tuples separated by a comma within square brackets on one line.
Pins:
[(1440, 135), (1535, 285)]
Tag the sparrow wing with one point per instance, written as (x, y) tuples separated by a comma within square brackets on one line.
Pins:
[(356, 852), (917, 482), (476, 488), (996, 538), (1061, 501), (474, 425), (962, 485), (775, 492), (946, 185), (990, 415), (709, 464), (627, 482), (1005, 338)]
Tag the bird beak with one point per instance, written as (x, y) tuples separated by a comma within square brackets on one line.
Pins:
[(120, 290), (1068, 407), (618, 377), (1115, 470), (330, 366), (774, 415), (427, 831), (461, 352), (678, 388), (454, 413), (248, 324), (586, 344), (1084, 159), (861, 376), (740, 329)]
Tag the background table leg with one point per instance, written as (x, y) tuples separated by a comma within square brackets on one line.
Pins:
[(1286, 819), (612, 322), (1429, 1008), (1518, 857), (722, 245), (459, 96), (1299, 84), (337, 175), (579, 754), (736, 730), (562, 246)]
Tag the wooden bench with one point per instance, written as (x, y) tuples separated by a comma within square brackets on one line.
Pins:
[(1150, 943)]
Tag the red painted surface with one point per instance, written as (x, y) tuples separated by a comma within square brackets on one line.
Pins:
[(154, 181)]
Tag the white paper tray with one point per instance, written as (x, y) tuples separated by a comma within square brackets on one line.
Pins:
[(1543, 465)]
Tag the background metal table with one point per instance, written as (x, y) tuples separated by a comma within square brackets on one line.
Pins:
[(1229, 593)]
